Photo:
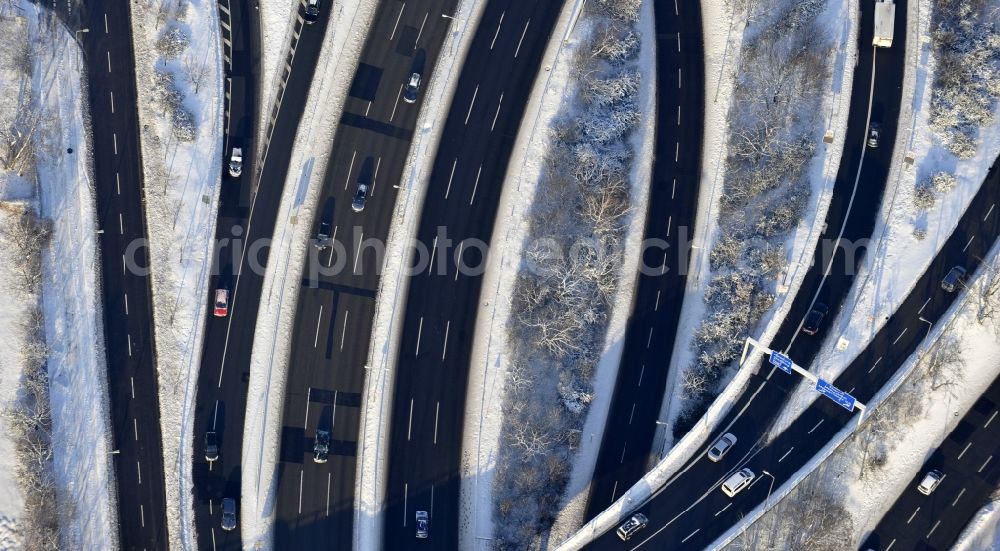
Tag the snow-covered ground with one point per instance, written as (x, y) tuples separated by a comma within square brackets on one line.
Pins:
[(897, 257), (74, 332), (875, 463), (982, 533), (182, 178), (277, 18), (839, 20)]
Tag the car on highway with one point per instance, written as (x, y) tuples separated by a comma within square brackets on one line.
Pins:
[(221, 303), (236, 162), (211, 446), (360, 197), (874, 132), (815, 317), (228, 514), (722, 447), (321, 446), (635, 523), (423, 524), (412, 88), (930, 482), (323, 236), (312, 11), (738, 482), (955, 277)]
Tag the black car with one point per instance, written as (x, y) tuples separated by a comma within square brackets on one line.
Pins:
[(321, 446), (360, 197), (211, 446), (323, 236), (811, 325), (312, 11), (874, 132)]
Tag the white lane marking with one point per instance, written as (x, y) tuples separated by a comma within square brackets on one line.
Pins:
[(396, 103), (215, 414), (409, 425), (678, 115), (678, 77), (444, 347), (631, 415), (129, 345), (437, 411), (131, 381), (969, 242), (816, 426), (786, 454), (213, 539), (900, 335), (677, 151), (378, 163), (126, 304), (614, 490), (471, 103), (406, 493), (343, 330), (138, 471), (350, 167), (142, 516), (328, 493), (333, 238), (499, 103), (357, 252), (933, 528), (678, 42), (728, 505), (123, 264), (656, 306), (401, 8), (421, 31), (301, 476), (333, 418), (121, 225), (874, 364), (109, 61), (522, 38), (476, 185), (891, 543), (112, 103), (675, 8), (105, 23), (496, 34), (691, 535), (319, 321), (921, 310), (670, 220), (915, 511), (989, 212), (450, 176), (305, 422), (965, 449), (458, 258), (990, 420), (673, 189), (985, 463), (135, 428), (114, 137), (434, 248), (624, 447), (369, 108), (420, 331), (642, 371), (960, 494), (118, 184), (649, 339)]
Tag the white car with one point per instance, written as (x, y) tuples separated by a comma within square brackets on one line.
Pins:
[(635, 523), (738, 482), (721, 447), (930, 482), (236, 162)]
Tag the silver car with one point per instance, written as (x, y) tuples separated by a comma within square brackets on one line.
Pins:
[(423, 524), (722, 447), (635, 523)]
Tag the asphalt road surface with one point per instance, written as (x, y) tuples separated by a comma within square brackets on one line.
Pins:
[(128, 321), (462, 198), (336, 300), (649, 340), (969, 458), (690, 512), (857, 194)]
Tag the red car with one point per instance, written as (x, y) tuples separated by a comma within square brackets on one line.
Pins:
[(221, 303)]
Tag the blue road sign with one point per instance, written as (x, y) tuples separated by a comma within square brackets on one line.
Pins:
[(842, 398), (781, 361)]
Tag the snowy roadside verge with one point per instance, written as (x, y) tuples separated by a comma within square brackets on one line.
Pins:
[(181, 169), (277, 22), (344, 40), (393, 289), (982, 533), (71, 297), (928, 397)]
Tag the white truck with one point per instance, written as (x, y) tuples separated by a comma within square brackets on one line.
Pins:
[(885, 14), (236, 162)]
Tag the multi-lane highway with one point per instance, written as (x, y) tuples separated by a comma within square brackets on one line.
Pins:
[(969, 458), (691, 512), (462, 197), (857, 195), (649, 341), (128, 321), (332, 331)]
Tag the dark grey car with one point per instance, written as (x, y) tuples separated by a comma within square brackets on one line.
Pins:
[(954, 279), (211, 446), (228, 514)]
